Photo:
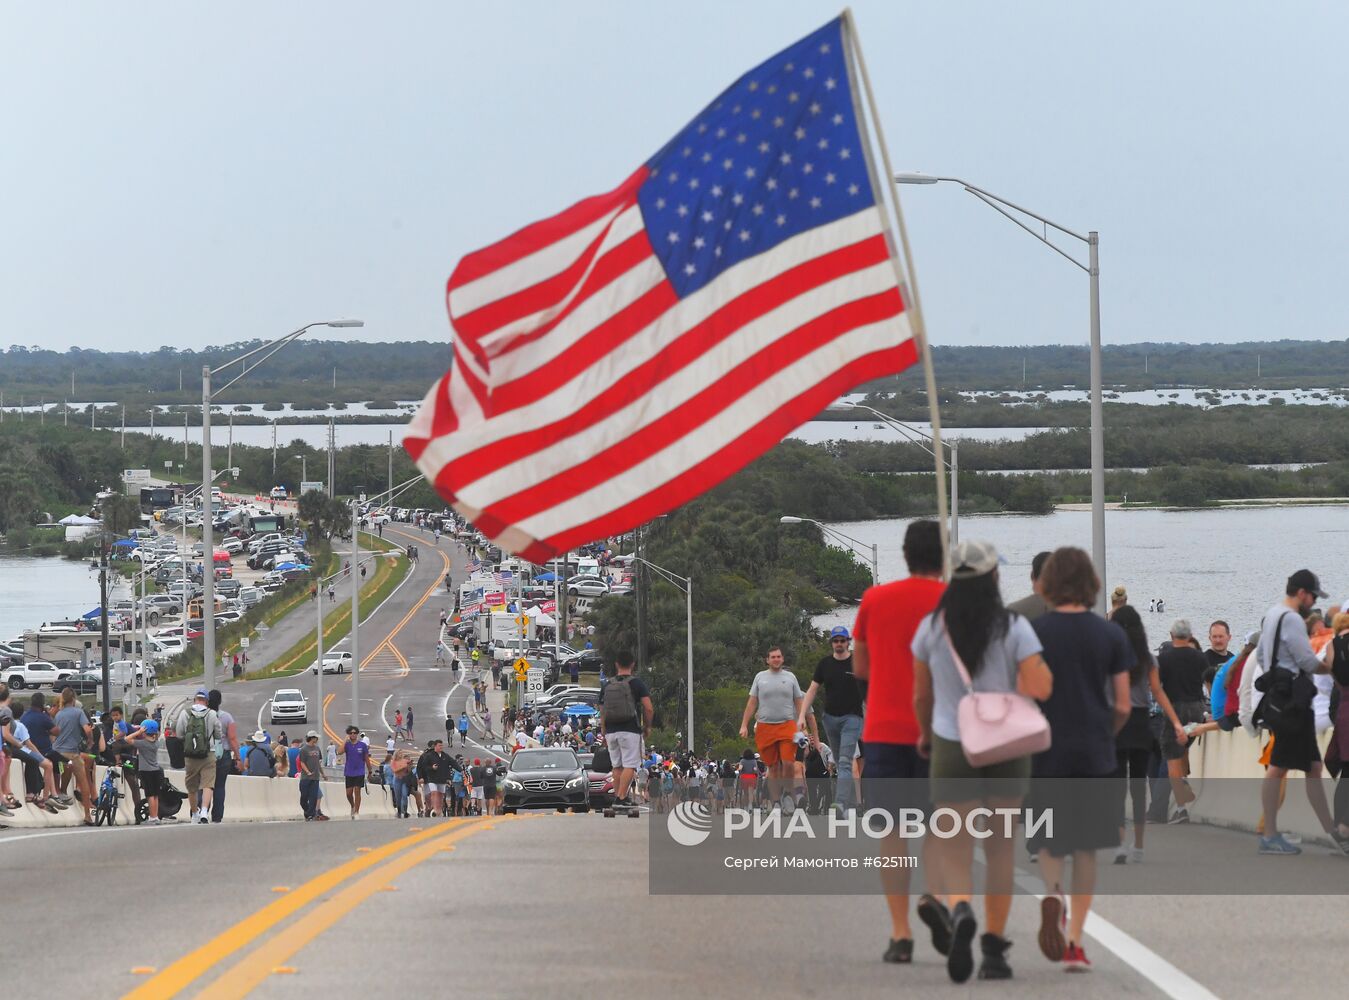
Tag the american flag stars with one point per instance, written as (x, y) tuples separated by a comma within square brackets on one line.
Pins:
[(754, 134)]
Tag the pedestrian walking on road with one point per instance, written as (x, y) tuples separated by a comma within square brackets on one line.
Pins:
[(970, 643), (228, 760), (463, 728), (894, 774), (200, 730), (487, 720), (440, 653), (356, 765), (842, 716), (398, 722), (1090, 660), (407, 719), (310, 763), (775, 704)]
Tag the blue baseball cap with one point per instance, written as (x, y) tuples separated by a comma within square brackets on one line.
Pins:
[(839, 632), (151, 726)]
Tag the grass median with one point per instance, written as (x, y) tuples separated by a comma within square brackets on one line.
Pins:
[(390, 571)]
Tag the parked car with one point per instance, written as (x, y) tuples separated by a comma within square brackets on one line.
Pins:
[(162, 649), (86, 682), (249, 596), (278, 493), (232, 545), (568, 696), (550, 778), (587, 586), (289, 705), (333, 663), (36, 673), (229, 587)]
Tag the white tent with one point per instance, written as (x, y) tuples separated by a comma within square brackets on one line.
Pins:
[(79, 519), (541, 620)]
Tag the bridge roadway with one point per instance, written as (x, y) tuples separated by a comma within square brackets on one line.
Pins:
[(541, 905)]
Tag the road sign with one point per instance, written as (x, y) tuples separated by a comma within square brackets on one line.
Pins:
[(243, 643), (521, 669), (534, 683), (522, 621)]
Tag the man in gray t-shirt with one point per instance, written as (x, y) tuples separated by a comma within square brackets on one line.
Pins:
[(71, 728), (775, 703)]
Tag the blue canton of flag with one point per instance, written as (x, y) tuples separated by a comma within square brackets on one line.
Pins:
[(779, 152)]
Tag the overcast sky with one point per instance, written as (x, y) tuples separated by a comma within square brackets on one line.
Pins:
[(197, 174)]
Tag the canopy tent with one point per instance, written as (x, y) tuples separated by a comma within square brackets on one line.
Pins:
[(580, 710), (126, 543), (545, 577), (89, 615), (79, 520), (541, 620)]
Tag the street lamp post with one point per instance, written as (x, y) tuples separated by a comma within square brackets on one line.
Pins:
[(207, 542), (856, 544), (1093, 270), (684, 583), (914, 434)]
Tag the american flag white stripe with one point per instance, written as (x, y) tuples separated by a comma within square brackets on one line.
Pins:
[(633, 420), (528, 271), (621, 228), (666, 465), (648, 343)]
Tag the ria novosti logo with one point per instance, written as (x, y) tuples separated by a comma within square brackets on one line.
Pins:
[(690, 824)]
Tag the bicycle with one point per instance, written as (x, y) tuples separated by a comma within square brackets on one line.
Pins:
[(110, 796)]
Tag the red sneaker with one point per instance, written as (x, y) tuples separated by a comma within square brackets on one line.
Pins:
[(1075, 959)]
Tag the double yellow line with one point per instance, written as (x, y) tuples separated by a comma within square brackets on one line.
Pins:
[(250, 971), (405, 669)]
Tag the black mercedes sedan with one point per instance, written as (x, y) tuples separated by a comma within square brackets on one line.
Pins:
[(546, 778)]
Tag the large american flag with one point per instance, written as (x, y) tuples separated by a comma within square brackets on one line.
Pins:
[(624, 356)]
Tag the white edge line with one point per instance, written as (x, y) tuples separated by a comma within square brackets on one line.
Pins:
[(1137, 956)]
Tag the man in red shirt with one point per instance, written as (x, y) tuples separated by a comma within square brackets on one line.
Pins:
[(894, 775)]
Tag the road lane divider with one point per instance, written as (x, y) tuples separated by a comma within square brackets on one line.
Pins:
[(177, 976), (252, 970)]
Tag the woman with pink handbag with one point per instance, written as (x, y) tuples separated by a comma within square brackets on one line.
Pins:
[(1073, 780), (976, 669)]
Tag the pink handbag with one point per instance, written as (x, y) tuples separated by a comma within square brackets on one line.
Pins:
[(996, 725)]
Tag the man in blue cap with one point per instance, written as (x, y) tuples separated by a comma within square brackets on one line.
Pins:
[(842, 715)]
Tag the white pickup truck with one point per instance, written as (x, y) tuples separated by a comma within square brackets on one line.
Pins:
[(35, 673)]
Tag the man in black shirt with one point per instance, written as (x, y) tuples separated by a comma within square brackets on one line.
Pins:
[(626, 712), (1219, 639), (844, 695), (1181, 667)]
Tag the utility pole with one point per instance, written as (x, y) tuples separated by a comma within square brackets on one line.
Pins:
[(124, 427), (229, 451), (180, 377), (355, 622), (103, 611), (390, 461), (274, 459), (334, 376), (639, 537), (72, 382), (66, 415), (42, 414)]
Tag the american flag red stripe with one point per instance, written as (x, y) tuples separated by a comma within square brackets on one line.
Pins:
[(619, 358)]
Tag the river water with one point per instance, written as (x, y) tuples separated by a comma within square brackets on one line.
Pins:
[(33, 591), (1205, 564)]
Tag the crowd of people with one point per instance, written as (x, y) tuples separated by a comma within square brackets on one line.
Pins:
[(943, 696)]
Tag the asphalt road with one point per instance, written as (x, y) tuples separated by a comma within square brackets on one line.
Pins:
[(545, 904), (397, 650)]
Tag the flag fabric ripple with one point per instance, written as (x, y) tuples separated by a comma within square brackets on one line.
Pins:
[(620, 358)]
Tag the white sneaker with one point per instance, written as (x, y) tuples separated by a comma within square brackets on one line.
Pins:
[(203, 816), (1136, 856), (788, 805), (1121, 855)]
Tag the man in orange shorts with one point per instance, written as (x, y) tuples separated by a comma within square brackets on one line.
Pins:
[(775, 702)]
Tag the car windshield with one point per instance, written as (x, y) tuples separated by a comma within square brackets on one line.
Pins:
[(544, 760), (289, 696)]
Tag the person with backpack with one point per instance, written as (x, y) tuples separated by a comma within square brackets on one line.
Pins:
[(258, 761), (626, 712), (199, 728)]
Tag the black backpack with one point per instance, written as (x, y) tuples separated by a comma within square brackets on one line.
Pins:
[(618, 707)]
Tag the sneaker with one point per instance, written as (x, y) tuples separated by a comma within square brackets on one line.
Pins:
[(1292, 838), (1278, 845), (61, 800), (320, 818), (1341, 841), (203, 817), (994, 964), (1075, 959), (152, 820), (1052, 916), (5, 810), (1136, 856), (1181, 815), (934, 913), (899, 952), (1121, 855), (788, 805), (960, 960)]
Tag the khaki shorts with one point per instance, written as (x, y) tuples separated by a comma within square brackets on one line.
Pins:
[(198, 771)]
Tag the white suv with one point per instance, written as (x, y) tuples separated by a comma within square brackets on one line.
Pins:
[(289, 705)]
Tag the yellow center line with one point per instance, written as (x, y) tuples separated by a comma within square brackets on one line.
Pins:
[(197, 962), (251, 970)]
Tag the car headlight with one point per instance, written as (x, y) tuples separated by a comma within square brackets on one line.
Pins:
[(577, 781), (512, 783)]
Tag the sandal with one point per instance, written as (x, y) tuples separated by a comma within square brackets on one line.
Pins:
[(12, 802)]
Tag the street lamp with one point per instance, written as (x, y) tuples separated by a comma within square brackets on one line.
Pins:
[(304, 469), (208, 579), (684, 583), (856, 544), (915, 436), (1093, 269)]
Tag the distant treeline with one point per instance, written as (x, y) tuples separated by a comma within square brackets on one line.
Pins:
[(303, 372)]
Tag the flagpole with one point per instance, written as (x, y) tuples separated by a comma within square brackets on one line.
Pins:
[(913, 305)]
